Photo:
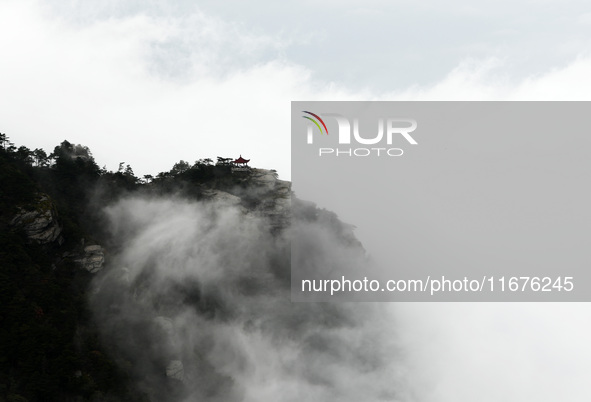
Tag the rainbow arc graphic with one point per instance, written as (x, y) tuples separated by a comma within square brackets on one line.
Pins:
[(316, 119)]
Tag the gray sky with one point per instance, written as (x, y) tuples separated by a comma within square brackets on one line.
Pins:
[(150, 84)]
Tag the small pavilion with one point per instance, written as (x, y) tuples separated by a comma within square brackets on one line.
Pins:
[(240, 163)]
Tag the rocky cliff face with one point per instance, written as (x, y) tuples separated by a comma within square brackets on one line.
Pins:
[(266, 196), (197, 295), (190, 295), (92, 259), (277, 206), (39, 221)]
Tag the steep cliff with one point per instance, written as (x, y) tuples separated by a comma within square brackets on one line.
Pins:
[(166, 289), (39, 220), (258, 192)]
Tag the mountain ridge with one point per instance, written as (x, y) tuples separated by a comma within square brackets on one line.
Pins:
[(68, 232)]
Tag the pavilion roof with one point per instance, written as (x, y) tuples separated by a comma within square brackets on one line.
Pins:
[(241, 160)]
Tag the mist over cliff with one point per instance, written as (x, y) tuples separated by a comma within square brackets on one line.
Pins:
[(197, 300), (182, 285), (176, 287)]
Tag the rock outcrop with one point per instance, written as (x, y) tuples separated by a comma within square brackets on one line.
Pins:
[(276, 204), (93, 258), (264, 195), (223, 198), (39, 221)]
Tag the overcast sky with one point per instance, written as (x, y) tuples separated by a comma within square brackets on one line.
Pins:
[(150, 84)]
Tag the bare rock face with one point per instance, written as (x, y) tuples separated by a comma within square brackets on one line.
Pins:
[(93, 258), (223, 198), (266, 196), (39, 221), (277, 203)]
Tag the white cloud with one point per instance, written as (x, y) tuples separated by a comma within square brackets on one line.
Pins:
[(496, 351), (151, 90), (144, 90), (490, 79)]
